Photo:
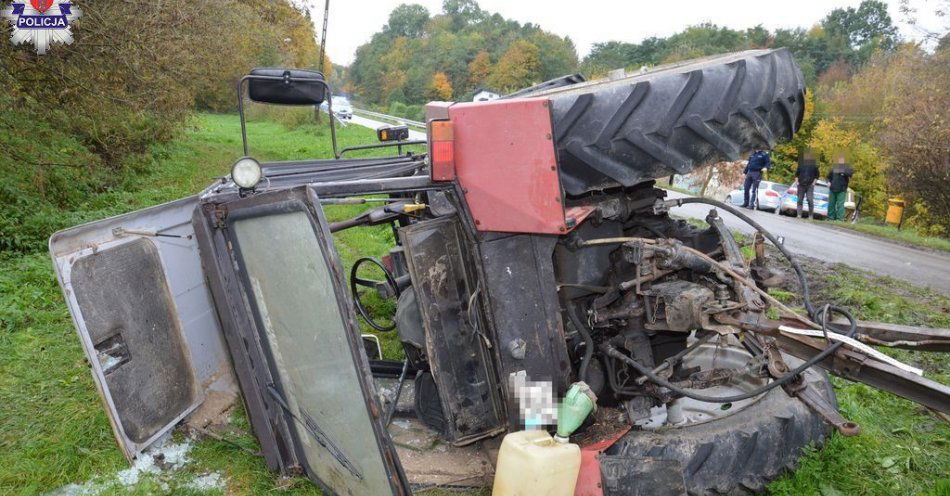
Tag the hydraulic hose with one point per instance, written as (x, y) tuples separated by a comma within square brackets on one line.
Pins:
[(610, 351), (588, 342), (806, 294)]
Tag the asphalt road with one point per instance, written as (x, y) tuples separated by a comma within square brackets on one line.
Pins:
[(917, 266), (373, 124)]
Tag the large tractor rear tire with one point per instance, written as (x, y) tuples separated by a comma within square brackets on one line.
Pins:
[(674, 118), (737, 454)]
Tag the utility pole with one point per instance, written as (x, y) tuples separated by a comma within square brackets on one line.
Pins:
[(323, 50), (323, 37)]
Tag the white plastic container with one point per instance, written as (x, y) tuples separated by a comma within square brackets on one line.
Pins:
[(532, 463)]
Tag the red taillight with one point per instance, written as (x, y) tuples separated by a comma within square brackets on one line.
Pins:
[(442, 150), (771, 193)]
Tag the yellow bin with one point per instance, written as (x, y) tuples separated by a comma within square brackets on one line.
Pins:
[(895, 211)]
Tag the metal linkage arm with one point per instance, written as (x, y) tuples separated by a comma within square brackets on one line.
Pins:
[(860, 367), (902, 336)]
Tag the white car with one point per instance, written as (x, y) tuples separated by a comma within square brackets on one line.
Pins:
[(342, 108), (822, 194), (770, 195)]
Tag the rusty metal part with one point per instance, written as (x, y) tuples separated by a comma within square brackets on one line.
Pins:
[(817, 403), (901, 336), (673, 360), (758, 244), (672, 255), (621, 312), (763, 274), (683, 303), (859, 367), (730, 247), (654, 273), (705, 379), (776, 364)]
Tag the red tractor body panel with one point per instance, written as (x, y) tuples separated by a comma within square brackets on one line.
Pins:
[(506, 164)]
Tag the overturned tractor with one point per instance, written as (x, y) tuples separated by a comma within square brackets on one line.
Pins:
[(530, 247)]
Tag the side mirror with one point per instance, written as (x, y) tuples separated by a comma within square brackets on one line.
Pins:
[(392, 133), (286, 86)]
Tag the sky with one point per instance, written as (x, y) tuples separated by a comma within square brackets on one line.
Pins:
[(353, 22)]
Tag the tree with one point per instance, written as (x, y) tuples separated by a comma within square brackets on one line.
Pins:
[(832, 139), (463, 13), (916, 136), (557, 55), (898, 102), (479, 69), (934, 32), (518, 67), (403, 58), (869, 23), (440, 88), (408, 20)]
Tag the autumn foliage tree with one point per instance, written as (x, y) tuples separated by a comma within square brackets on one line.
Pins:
[(517, 68), (462, 42), (440, 88), (479, 69), (133, 74)]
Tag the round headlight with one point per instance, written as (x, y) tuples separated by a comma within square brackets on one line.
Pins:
[(246, 172)]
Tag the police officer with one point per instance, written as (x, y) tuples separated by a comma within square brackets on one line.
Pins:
[(758, 161)]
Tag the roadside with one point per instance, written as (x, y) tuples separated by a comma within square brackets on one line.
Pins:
[(54, 432), (902, 446), (373, 123), (903, 236), (925, 268)]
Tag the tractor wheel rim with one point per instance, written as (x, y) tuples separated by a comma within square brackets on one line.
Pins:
[(711, 355)]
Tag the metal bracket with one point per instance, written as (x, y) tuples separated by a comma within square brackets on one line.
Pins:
[(814, 401)]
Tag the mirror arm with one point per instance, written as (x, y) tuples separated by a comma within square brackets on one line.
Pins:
[(240, 94)]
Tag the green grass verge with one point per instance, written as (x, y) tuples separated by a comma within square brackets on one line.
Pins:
[(905, 235), (903, 448), (53, 429)]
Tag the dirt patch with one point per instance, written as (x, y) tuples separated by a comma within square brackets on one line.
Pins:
[(428, 461), (214, 411), (606, 423)]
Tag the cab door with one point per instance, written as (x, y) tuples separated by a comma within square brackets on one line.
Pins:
[(145, 318), (296, 346)]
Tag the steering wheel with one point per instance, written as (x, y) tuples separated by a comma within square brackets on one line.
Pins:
[(356, 282)]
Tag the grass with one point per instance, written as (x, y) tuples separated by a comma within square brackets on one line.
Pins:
[(53, 429), (906, 235), (903, 448)]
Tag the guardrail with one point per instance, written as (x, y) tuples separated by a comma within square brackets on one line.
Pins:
[(399, 120)]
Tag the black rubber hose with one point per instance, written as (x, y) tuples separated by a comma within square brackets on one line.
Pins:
[(806, 295), (588, 342), (610, 351)]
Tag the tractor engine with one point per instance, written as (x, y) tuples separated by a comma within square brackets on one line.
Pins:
[(628, 282)]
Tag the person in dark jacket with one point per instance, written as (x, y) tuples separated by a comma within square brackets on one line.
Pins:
[(839, 177), (758, 161), (806, 174)]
